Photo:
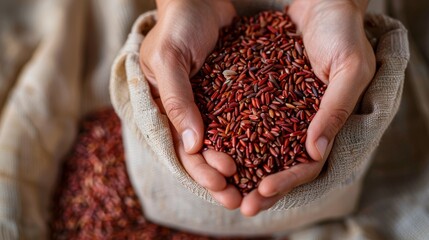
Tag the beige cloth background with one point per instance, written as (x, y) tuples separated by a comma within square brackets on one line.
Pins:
[(54, 67)]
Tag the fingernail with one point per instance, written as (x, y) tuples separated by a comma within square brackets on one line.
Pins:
[(321, 145), (188, 138)]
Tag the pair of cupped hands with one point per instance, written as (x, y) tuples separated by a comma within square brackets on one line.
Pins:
[(185, 34)]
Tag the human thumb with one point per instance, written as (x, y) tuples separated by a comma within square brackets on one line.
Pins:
[(178, 101), (338, 102)]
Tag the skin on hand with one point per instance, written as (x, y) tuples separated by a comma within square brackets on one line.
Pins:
[(185, 34), (172, 52), (341, 57)]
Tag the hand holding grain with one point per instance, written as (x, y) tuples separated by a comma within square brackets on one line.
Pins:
[(172, 52), (341, 56), (185, 34)]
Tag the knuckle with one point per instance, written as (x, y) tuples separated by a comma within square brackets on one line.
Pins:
[(336, 120), (168, 54), (294, 178), (314, 174), (165, 52), (176, 109), (171, 51), (361, 64)]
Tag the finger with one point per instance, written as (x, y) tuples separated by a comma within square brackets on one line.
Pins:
[(230, 197), (220, 161), (338, 102), (172, 74), (253, 203), (284, 181), (196, 166)]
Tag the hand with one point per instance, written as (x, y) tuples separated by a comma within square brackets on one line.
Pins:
[(172, 52), (342, 57)]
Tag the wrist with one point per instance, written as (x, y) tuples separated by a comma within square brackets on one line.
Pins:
[(221, 9), (161, 4), (309, 8)]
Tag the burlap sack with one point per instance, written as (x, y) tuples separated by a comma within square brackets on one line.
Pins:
[(37, 126), (55, 57), (171, 197)]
